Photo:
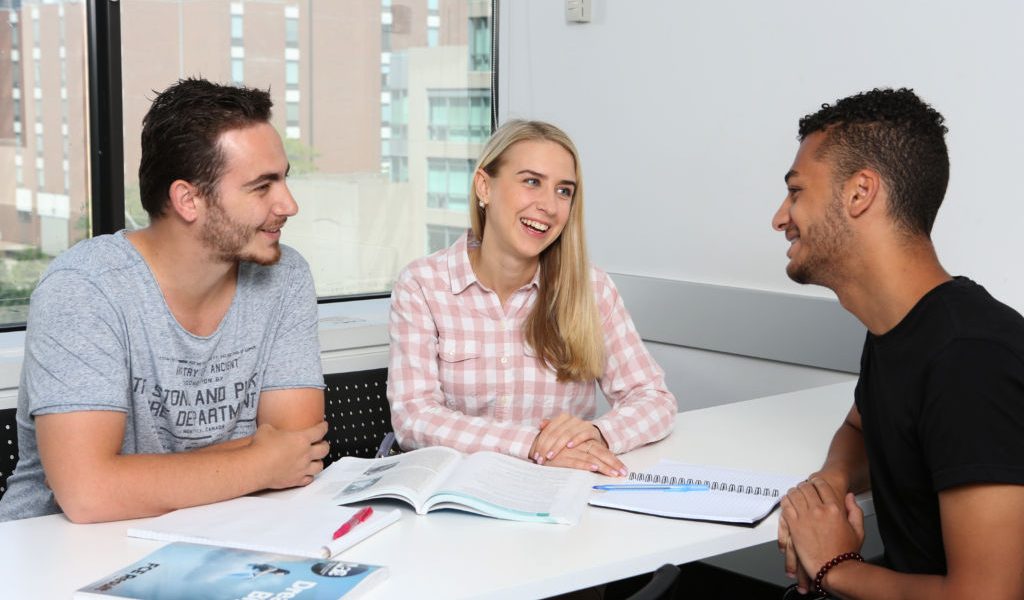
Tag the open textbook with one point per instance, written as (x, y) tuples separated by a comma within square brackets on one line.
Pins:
[(733, 496), (486, 483)]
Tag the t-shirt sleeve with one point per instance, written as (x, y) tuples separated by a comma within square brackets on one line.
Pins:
[(76, 354), (972, 421), (294, 360)]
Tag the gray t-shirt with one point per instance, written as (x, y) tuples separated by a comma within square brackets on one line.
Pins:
[(101, 337)]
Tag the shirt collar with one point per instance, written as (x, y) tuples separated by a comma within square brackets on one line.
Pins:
[(461, 271)]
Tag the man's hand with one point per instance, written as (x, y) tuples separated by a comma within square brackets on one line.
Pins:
[(290, 458), (792, 563), (838, 482), (819, 527)]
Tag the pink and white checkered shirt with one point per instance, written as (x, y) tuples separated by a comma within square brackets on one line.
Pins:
[(462, 376)]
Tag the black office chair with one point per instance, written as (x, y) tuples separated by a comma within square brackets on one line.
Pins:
[(358, 415), (661, 586), (8, 446)]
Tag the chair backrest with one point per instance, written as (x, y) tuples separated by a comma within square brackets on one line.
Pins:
[(358, 415), (661, 586), (8, 446)]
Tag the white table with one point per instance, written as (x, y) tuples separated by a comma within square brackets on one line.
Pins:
[(457, 555)]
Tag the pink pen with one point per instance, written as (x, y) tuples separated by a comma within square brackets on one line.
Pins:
[(356, 519)]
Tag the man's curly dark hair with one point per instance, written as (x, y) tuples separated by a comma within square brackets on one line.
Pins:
[(898, 135)]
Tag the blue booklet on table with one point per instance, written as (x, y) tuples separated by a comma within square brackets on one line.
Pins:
[(183, 571)]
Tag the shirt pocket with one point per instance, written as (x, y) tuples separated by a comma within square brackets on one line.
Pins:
[(555, 397), (462, 371)]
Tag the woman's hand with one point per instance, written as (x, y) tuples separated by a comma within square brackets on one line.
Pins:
[(568, 441), (589, 456)]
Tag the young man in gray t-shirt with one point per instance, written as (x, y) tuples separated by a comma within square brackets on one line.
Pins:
[(178, 364)]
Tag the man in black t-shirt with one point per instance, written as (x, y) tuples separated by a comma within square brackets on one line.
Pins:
[(937, 426)]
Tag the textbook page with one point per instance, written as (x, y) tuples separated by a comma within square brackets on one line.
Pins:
[(412, 476), (264, 524), (510, 488)]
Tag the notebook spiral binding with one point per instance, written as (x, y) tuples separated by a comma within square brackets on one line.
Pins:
[(722, 486)]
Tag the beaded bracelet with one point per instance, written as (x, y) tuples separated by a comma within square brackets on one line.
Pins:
[(832, 563)]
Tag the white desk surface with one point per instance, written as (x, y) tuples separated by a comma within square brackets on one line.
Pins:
[(458, 555)]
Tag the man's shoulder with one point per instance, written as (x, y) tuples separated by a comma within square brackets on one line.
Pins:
[(972, 312), (90, 262), (966, 327), (95, 256)]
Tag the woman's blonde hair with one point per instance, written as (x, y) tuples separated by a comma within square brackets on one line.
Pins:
[(564, 326)]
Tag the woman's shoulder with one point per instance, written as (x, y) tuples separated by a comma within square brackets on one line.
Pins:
[(601, 281), (431, 270), (605, 291)]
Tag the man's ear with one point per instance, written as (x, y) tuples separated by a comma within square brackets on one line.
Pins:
[(863, 190), (184, 200), (482, 185)]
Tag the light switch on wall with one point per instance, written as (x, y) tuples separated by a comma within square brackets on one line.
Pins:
[(577, 11)]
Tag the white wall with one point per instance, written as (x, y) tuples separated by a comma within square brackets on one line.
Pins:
[(700, 378), (686, 112)]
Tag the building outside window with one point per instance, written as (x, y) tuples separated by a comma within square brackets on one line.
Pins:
[(480, 44), (352, 88), (448, 183), (43, 154), (460, 115), (440, 237)]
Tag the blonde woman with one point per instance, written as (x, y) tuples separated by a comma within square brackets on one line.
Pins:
[(496, 342)]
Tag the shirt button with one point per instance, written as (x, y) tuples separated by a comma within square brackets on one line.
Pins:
[(504, 325), (504, 359), (505, 401)]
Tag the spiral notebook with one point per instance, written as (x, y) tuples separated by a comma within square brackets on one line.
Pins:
[(733, 496)]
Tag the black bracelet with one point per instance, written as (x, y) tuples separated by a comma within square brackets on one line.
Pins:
[(832, 563)]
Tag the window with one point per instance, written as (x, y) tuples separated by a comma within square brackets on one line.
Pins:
[(480, 44), (236, 28), (440, 237), (399, 168), (291, 74), (345, 99), (44, 198), (351, 103), (291, 32), (237, 70), (460, 115), (448, 181)]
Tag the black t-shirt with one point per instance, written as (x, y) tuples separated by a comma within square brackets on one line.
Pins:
[(941, 398)]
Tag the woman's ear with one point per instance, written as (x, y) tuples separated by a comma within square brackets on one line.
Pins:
[(482, 185)]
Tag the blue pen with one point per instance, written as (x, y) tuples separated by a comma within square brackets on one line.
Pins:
[(640, 487)]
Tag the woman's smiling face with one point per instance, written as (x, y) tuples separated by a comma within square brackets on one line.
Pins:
[(529, 198)]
